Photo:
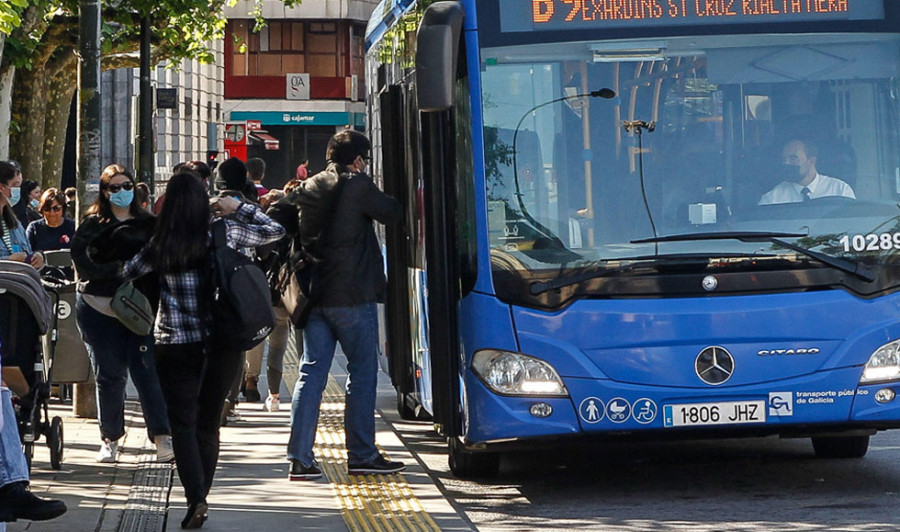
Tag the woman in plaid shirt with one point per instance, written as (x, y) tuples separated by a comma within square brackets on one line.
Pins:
[(195, 378)]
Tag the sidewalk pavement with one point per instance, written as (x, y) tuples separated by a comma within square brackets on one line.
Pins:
[(251, 491)]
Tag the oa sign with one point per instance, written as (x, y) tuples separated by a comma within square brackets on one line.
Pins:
[(297, 86)]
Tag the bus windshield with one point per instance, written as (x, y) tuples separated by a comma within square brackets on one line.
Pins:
[(738, 154)]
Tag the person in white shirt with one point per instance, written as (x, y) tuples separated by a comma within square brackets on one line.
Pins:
[(802, 181)]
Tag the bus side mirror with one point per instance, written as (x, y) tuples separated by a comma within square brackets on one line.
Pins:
[(437, 45)]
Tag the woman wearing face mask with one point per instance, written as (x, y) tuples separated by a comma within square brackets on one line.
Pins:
[(114, 349), (14, 244)]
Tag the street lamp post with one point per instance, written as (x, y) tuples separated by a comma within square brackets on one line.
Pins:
[(88, 183), (145, 115)]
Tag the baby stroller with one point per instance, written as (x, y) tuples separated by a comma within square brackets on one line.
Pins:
[(26, 313)]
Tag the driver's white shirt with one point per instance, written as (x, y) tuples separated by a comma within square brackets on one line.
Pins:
[(820, 187)]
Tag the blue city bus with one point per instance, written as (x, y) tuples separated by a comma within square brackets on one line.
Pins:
[(646, 219)]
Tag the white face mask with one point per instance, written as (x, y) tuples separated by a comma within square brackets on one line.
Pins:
[(15, 193)]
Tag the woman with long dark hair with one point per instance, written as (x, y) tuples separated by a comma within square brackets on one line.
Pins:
[(195, 372), (14, 244), (115, 350)]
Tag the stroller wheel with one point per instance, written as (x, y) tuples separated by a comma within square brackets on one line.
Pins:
[(55, 442)]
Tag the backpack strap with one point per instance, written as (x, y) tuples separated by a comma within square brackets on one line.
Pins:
[(220, 239), (209, 280)]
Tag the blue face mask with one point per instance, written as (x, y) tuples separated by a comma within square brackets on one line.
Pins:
[(15, 193), (34, 203), (122, 198)]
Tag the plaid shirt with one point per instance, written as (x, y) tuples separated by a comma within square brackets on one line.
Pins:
[(178, 320)]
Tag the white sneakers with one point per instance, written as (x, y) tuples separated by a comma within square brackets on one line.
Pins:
[(164, 451), (272, 404), (108, 451)]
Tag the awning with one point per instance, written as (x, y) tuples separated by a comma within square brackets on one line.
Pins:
[(268, 141)]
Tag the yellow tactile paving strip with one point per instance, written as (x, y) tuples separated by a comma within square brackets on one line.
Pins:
[(369, 503)]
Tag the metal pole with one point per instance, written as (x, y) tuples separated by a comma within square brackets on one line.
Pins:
[(145, 115), (88, 182)]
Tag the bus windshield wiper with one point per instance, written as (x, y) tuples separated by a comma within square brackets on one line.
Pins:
[(842, 264), (540, 287)]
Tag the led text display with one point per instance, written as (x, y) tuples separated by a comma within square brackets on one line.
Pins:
[(549, 15)]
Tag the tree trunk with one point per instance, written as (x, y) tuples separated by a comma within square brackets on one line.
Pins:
[(6, 83), (29, 107), (61, 90)]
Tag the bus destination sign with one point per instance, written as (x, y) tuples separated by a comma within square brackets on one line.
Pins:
[(552, 15)]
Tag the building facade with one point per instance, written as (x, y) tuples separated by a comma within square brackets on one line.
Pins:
[(187, 116), (291, 85)]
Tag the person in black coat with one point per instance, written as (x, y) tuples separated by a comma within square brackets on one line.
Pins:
[(114, 229), (336, 209)]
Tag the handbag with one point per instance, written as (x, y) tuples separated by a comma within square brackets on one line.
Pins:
[(298, 279), (132, 309), (294, 286)]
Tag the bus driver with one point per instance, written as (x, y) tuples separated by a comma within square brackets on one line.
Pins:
[(802, 181)]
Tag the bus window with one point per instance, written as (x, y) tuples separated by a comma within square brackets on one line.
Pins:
[(568, 185)]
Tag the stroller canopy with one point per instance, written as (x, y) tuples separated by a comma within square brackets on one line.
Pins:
[(23, 281)]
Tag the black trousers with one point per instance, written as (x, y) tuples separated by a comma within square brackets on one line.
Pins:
[(194, 385)]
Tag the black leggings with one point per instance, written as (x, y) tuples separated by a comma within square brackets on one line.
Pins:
[(194, 385)]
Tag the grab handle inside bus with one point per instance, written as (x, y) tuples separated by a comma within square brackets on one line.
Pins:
[(436, 55)]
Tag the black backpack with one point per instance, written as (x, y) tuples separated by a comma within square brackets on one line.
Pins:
[(241, 305)]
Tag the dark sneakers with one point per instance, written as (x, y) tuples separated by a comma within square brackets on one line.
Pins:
[(302, 472), (378, 466), (16, 502)]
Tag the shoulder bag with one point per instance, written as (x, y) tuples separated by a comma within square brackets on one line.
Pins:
[(132, 309)]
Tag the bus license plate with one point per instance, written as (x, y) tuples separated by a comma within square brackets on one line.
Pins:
[(714, 413)]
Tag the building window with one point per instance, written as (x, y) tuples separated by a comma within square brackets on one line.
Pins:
[(284, 47)]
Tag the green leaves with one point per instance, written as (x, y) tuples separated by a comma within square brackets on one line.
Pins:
[(10, 15)]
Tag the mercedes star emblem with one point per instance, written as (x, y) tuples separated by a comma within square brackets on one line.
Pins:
[(710, 283), (714, 365)]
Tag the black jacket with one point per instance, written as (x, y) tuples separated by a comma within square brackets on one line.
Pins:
[(352, 269), (24, 213), (99, 249)]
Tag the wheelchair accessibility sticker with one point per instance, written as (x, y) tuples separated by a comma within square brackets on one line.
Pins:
[(591, 410), (644, 411), (781, 404)]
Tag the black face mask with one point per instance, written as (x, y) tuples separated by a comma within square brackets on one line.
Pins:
[(791, 173)]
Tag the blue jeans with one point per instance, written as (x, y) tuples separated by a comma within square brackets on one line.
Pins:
[(13, 467), (115, 352), (356, 328)]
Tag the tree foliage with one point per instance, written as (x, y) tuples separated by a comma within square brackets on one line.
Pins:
[(10, 15), (41, 47)]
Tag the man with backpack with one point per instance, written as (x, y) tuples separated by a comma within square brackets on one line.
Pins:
[(330, 216)]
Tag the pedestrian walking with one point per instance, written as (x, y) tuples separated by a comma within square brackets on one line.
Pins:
[(195, 371), (108, 230), (338, 206)]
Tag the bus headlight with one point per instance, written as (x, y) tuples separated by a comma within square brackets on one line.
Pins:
[(509, 373), (883, 365)]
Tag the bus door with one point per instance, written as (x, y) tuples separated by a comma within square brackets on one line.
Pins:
[(406, 305)]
